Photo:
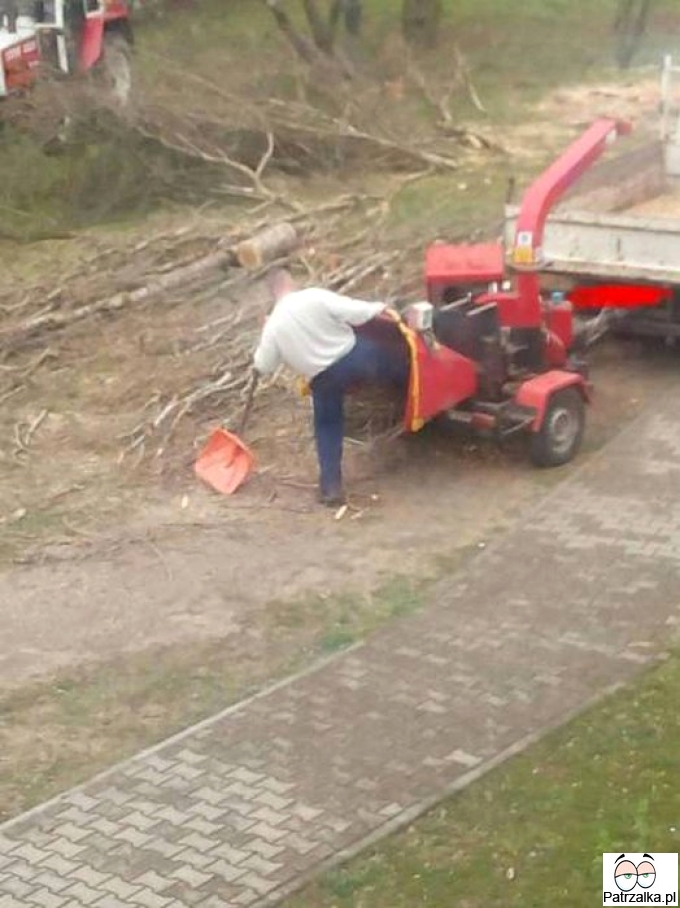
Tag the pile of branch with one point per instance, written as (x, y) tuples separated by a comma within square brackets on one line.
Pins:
[(372, 262), (219, 394), (206, 263), (252, 136), (297, 138), (153, 270)]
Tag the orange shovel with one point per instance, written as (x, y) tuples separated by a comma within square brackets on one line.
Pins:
[(226, 462)]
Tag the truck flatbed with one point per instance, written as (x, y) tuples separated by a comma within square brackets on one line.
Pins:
[(622, 222)]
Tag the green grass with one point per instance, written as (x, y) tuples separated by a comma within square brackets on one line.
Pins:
[(353, 619), (531, 834), (511, 48), (345, 618)]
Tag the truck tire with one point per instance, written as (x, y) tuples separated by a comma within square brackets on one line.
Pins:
[(561, 433), (114, 70)]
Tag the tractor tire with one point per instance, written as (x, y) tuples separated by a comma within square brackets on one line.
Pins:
[(560, 436), (114, 70)]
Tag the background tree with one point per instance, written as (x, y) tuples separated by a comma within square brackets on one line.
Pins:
[(630, 24), (420, 21), (323, 22)]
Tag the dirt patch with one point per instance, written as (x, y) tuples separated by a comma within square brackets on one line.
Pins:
[(194, 567), (553, 121), (124, 638), (214, 572)]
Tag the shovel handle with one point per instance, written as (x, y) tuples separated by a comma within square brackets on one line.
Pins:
[(252, 387)]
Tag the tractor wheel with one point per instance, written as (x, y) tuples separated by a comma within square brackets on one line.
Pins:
[(114, 70), (561, 433)]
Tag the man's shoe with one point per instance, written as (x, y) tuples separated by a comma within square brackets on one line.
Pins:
[(332, 499)]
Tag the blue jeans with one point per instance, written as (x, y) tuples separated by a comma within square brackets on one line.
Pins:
[(367, 362)]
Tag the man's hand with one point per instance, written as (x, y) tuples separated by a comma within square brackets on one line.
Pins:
[(390, 314)]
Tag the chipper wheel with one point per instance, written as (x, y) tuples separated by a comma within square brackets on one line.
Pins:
[(560, 435)]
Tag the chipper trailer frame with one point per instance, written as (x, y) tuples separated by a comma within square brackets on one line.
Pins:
[(605, 239)]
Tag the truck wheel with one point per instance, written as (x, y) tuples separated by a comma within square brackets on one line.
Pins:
[(561, 433), (115, 70)]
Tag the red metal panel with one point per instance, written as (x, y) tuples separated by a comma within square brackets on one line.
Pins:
[(537, 391), (115, 9), (93, 31), (20, 64), (440, 379), (559, 321), (447, 265), (92, 41), (506, 302)]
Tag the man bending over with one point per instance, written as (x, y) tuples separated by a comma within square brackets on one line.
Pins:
[(312, 331)]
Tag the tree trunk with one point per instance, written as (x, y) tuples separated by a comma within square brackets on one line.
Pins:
[(319, 48), (629, 29), (266, 246), (420, 20), (351, 12), (321, 30), (306, 49)]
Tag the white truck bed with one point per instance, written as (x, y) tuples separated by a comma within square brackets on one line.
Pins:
[(622, 221)]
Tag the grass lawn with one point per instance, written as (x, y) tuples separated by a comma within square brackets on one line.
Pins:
[(515, 51), (531, 833)]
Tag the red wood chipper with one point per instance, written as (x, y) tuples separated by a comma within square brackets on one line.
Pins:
[(491, 350)]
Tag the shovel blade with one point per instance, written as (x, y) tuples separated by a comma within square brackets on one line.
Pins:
[(225, 462)]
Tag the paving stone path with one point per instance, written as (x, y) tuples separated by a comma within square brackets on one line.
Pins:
[(239, 809)]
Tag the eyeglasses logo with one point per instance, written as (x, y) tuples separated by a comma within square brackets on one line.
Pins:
[(634, 878), (627, 876)]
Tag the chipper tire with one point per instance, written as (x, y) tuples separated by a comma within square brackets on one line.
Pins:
[(561, 433)]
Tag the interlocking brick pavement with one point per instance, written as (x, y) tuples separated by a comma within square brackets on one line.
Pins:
[(238, 810)]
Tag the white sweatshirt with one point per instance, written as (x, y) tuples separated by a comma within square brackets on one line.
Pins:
[(311, 329)]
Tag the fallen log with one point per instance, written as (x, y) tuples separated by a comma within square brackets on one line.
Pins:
[(266, 246), (17, 335)]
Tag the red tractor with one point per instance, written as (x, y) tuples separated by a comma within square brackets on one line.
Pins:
[(490, 349), (63, 37)]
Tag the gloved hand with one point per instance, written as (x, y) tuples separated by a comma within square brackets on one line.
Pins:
[(390, 314), (303, 386)]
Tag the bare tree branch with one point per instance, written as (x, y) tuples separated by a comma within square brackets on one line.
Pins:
[(321, 32), (300, 43), (320, 51)]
